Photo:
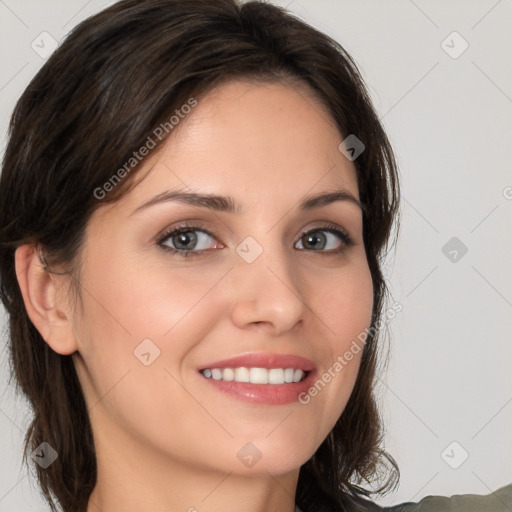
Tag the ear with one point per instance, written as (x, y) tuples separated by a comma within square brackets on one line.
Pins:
[(45, 307)]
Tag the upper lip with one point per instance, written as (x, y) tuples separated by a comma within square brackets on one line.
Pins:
[(264, 360)]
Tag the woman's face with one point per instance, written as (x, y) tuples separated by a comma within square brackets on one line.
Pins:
[(251, 283)]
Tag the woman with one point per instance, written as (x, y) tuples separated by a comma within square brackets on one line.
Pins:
[(195, 199)]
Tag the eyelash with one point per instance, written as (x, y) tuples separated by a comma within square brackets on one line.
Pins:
[(185, 228)]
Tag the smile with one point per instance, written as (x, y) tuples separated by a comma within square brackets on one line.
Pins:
[(254, 375)]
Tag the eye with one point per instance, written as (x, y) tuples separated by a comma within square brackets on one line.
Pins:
[(326, 239), (188, 240)]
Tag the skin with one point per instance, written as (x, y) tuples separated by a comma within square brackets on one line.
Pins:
[(166, 440)]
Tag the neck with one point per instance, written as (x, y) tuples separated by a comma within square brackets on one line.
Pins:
[(132, 478)]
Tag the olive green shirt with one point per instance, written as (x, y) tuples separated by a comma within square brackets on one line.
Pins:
[(497, 501)]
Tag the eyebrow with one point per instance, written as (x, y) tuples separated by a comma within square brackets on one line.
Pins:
[(229, 205)]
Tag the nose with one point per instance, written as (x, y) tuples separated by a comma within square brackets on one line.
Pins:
[(267, 293)]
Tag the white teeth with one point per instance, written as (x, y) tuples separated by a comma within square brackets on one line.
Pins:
[(276, 376), (228, 374), (288, 374), (258, 376), (242, 374), (297, 375), (255, 375)]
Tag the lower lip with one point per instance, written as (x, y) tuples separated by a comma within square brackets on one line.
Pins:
[(270, 394)]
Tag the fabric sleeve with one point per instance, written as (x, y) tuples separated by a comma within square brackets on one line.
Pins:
[(497, 501)]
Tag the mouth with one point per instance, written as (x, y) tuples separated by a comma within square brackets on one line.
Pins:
[(256, 375), (262, 378)]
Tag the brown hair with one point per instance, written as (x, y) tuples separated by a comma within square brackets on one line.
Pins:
[(117, 76)]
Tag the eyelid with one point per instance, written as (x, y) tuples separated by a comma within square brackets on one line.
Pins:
[(325, 226), (183, 226)]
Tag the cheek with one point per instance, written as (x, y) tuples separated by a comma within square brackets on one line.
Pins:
[(173, 309), (345, 310), (143, 320), (133, 302), (344, 302)]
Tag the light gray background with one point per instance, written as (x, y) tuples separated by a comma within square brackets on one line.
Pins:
[(450, 121)]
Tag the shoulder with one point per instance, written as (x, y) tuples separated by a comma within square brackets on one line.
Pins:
[(497, 501)]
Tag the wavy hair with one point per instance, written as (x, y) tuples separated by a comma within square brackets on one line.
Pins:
[(117, 76)]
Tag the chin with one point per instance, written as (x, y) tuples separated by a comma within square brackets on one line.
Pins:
[(266, 456)]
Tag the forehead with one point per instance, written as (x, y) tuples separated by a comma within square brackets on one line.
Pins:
[(253, 141)]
